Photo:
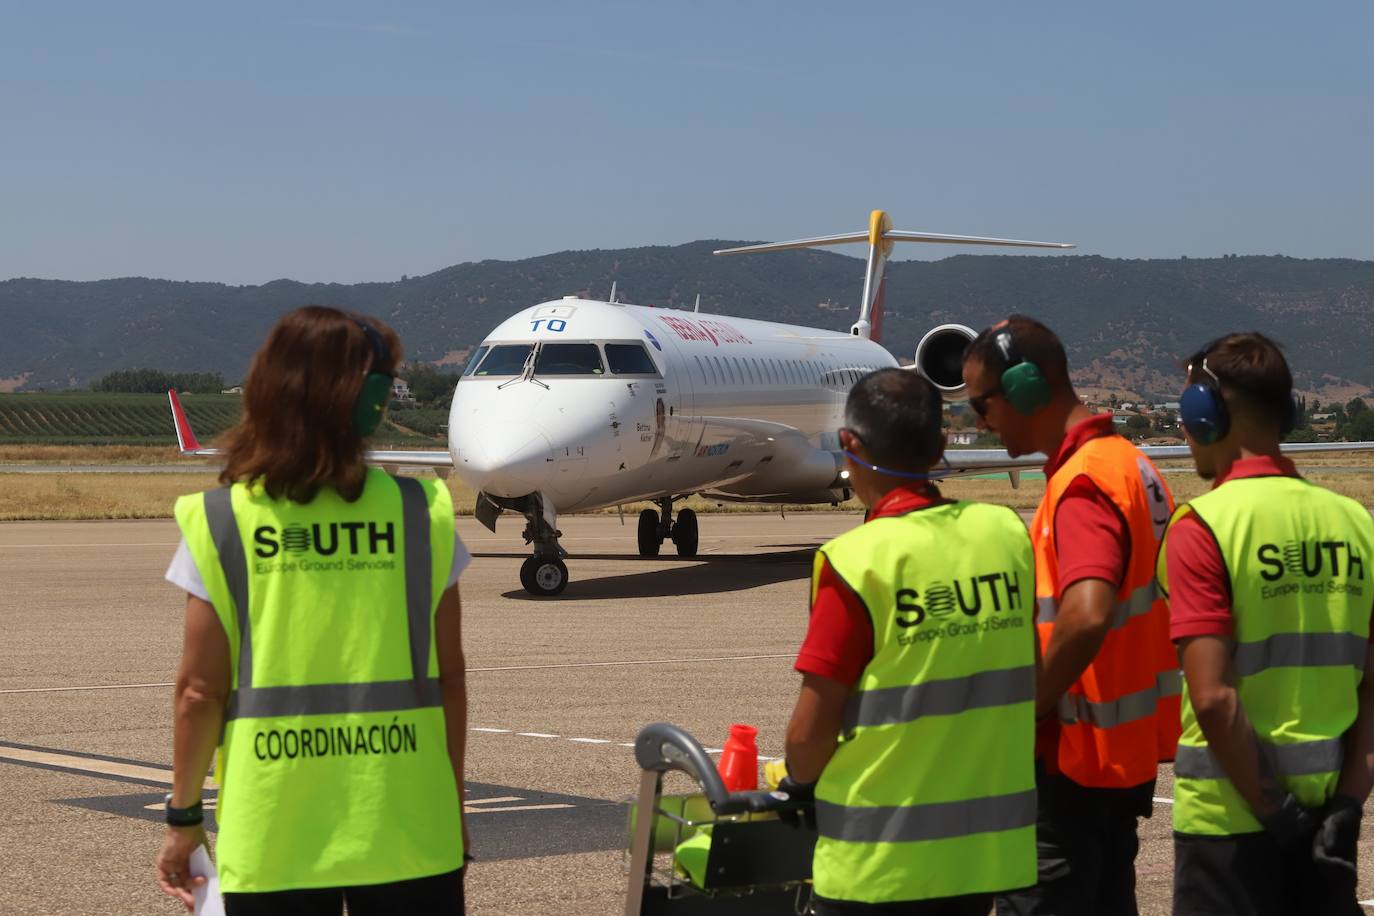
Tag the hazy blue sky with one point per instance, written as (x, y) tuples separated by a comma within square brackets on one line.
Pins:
[(342, 141)]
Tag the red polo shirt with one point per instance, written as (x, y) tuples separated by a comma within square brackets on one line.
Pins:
[(839, 638), (1093, 539), (1199, 587)]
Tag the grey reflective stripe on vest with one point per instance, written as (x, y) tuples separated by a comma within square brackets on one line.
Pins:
[(415, 524), (1137, 603), (322, 699), (315, 699), (224, 532), (1300, 650), (936, 821), (1304, 758), (891, 705), (1075, 708)]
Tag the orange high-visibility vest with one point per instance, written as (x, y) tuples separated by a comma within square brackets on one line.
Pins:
[(1121, 717)]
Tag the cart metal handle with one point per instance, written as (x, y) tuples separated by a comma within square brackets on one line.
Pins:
[(661, 747)]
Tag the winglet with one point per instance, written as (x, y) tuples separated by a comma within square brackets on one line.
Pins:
[(186, 438)]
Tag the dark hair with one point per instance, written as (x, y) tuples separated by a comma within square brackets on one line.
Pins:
[(1250, 368), (1034, 341), (897, 414), (296, 433)]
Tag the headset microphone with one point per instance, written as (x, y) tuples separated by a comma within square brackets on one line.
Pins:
[(909, 475)]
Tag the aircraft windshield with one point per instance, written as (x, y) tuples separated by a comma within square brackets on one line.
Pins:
[(630, 359), (504, 359), (568, 359), (475, 359)]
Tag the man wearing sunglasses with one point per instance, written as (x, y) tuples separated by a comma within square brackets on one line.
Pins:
[(915, 720), (1107, 699), (1270, 581)]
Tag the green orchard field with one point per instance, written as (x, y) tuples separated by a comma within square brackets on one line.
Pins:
[(98, 418)]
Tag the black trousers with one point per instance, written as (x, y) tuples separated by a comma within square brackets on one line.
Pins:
[(970, 905), (1086, 843), (1248, 875), (440, 895)]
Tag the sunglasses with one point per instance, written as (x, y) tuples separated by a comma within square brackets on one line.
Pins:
[(979, 403)]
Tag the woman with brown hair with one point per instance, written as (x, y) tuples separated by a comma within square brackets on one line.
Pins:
[(323, 650)]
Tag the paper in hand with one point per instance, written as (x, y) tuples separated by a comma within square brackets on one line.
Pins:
[(208, 900)]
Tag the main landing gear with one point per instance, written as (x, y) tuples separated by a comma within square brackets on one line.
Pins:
[(656, 527)]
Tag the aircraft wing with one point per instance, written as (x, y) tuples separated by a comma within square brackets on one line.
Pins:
[(441, 462), (960, 462)]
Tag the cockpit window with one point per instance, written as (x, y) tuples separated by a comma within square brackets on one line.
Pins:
[(630, 359), (568, 359), (505, 359), (475, 359)]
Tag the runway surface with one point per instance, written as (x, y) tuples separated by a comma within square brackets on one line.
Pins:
[(558, 689)]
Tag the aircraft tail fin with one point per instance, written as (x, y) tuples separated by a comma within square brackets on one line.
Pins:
[(880, 237), (186, 437)]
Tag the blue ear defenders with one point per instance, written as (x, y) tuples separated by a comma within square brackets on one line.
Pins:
[(1202, 410), (376, 390), (1023, 384)]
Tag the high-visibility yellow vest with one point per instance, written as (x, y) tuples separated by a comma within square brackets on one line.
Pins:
[(1120, 718), (334, 766), (1299, 558), (931, 791)]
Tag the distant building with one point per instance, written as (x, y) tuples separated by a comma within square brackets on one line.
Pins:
[(963, 436), (400, 389), (237, 389)]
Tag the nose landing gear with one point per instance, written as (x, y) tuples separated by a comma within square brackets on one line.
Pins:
[(544, 574), (656, 527)]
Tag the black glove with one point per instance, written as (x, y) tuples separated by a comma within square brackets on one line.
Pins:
[(1338, 832), (1292, 826), (801, 807)]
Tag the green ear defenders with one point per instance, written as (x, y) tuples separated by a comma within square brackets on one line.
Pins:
[(376, 390), (1023, 384)]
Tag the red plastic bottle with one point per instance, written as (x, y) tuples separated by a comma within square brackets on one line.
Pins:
[(739, 759)]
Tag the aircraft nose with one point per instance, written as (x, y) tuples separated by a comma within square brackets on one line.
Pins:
[(504, 459)]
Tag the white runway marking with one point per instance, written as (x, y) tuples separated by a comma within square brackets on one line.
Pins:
[(536, 735), (1161, 800), (88, 765), (91, 687), (616, 664)]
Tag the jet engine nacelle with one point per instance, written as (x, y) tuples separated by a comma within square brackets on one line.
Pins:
[(940, 358)]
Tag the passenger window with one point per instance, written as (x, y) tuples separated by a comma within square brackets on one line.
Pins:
[(568, 359), (505, 359), (475, 359), (629, 359)]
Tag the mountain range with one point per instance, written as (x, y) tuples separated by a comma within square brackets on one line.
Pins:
[(1125, 323)]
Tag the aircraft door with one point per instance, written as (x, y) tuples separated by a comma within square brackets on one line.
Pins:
[(675, 428)]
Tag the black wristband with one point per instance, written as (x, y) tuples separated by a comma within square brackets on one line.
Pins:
[(193, 816)]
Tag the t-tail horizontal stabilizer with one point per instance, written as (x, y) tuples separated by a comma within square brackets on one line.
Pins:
[(880, 238)]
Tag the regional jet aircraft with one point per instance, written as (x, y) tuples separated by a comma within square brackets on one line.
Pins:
[(575, 404)]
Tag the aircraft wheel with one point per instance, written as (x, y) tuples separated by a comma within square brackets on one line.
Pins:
[(649, 539), (544, 577), (685, 533)]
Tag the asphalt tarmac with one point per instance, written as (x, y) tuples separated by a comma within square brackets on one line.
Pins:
[(558, 689)]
